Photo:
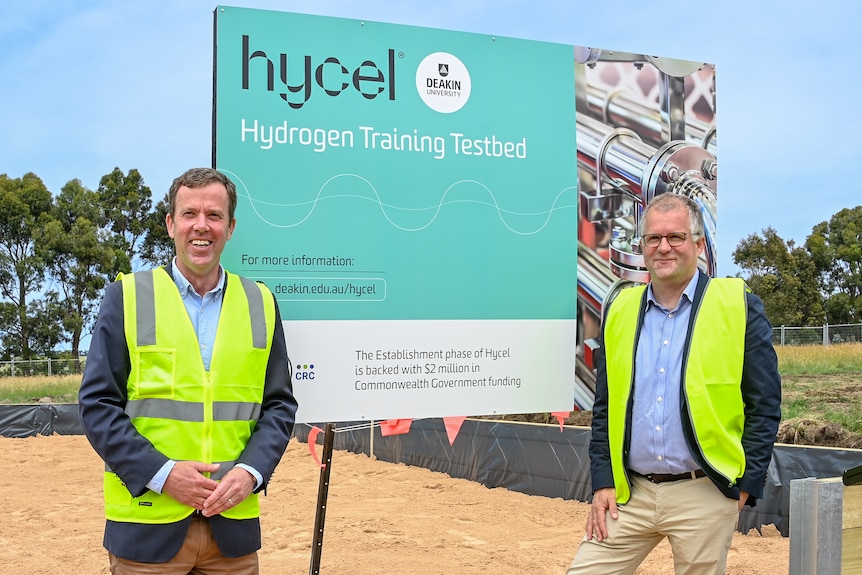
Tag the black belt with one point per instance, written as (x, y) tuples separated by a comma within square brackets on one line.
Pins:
[(663, 477)]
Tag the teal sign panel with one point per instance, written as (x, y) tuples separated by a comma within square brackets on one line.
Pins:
[(393, 173)]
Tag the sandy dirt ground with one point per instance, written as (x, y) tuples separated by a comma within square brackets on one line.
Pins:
[(381, 518)]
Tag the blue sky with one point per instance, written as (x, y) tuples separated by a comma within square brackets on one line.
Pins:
[(90, 85)]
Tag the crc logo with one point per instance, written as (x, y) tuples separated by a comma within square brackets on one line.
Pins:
[(443, 82), (304, 372), (369, 78)]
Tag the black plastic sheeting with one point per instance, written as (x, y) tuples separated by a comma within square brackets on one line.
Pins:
[(791, 462), (39, 419), (528, 458), (542, 460)]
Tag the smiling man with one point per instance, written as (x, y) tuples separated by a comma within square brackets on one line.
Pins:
[(187, 397), (200, 221), (687, 407)]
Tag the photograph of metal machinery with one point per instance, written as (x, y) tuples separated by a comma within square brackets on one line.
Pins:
[(645, 126)]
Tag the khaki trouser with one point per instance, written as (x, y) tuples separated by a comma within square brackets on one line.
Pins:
[(199, 555), (698, 520)]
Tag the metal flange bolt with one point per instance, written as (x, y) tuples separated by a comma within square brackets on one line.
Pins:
[(709, 169), (670, 172)]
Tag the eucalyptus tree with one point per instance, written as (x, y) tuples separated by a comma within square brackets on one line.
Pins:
[(78, 254), (25, 210), (836, 248), (157, 249), (784, 276), (126, 204)]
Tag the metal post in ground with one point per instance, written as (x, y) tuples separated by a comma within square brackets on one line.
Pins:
[(322, 494)]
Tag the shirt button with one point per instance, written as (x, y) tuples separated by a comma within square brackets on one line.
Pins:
[(658, 427), (666, 342), (660, 458), (660, 399), (670, 315), (661, 370)]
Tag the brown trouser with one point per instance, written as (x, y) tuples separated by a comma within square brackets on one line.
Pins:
[(199, 555)]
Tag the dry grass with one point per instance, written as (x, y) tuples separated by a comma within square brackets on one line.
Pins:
[(40, 389), (820, 359)]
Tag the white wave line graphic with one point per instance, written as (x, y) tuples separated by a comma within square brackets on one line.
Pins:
[(501, 213)]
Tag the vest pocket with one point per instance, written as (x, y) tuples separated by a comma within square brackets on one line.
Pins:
[(156, 370), (115, 491)]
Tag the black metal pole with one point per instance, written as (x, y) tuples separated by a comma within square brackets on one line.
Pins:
[(322, 494)]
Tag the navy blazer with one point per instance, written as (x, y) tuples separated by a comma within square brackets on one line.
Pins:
[(761, 394), (101, 403)]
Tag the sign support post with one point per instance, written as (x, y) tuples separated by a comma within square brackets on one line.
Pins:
[(322, 495)]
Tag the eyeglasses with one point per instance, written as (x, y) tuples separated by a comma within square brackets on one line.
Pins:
[(674, 239)]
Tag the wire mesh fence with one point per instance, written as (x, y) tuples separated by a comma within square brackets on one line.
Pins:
[(30, 367), (825, 334)]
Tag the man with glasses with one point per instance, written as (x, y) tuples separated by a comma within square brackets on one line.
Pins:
[(687, 407)]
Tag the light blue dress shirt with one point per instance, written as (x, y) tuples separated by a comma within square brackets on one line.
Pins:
[(657, 441), (204, 314)]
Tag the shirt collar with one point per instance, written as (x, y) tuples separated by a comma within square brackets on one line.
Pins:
[(185, 286), (688, 292)]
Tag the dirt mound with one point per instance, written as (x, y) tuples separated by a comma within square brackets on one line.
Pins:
[(803, 431)]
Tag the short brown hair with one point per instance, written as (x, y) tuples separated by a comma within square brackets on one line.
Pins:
[(198, 178)]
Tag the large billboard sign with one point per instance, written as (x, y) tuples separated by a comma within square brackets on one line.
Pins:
[(410, 195)]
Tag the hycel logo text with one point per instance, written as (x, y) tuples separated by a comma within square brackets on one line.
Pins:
[(296, 88)]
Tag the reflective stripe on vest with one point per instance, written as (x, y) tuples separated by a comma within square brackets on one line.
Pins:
[(145, 301), (185, 411), (192, 411), (712, 372)]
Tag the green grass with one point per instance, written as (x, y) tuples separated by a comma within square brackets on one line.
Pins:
[(822, 385), (792, 408)]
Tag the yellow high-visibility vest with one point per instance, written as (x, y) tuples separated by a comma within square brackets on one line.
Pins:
[(186, 412), (712, 376)]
